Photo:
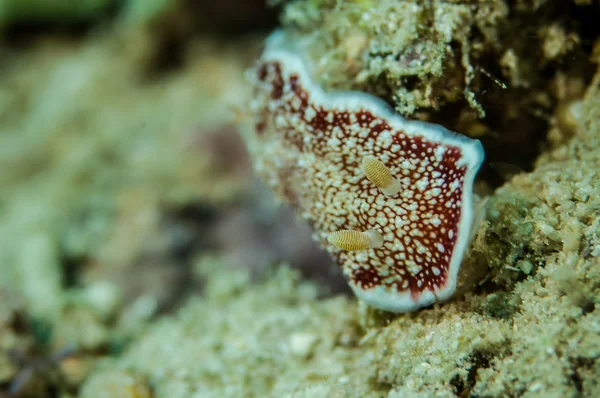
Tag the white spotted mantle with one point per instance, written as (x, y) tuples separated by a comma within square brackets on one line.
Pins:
[(308, 146)]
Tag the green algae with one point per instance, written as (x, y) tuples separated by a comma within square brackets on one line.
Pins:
[(69, 12), (12, 11)]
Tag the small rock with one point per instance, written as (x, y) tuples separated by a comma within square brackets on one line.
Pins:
[(302, 344)]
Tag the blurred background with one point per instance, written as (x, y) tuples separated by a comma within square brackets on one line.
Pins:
[(123, 180)]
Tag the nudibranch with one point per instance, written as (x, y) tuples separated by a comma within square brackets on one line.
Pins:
[(391, 199)]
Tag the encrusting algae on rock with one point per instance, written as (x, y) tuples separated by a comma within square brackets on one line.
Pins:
[(390, 199)]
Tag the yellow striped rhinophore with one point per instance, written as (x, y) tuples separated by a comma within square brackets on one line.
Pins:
[(350, 240), (380, 175)]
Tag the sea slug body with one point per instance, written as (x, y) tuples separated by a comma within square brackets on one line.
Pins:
[(390, 199)]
